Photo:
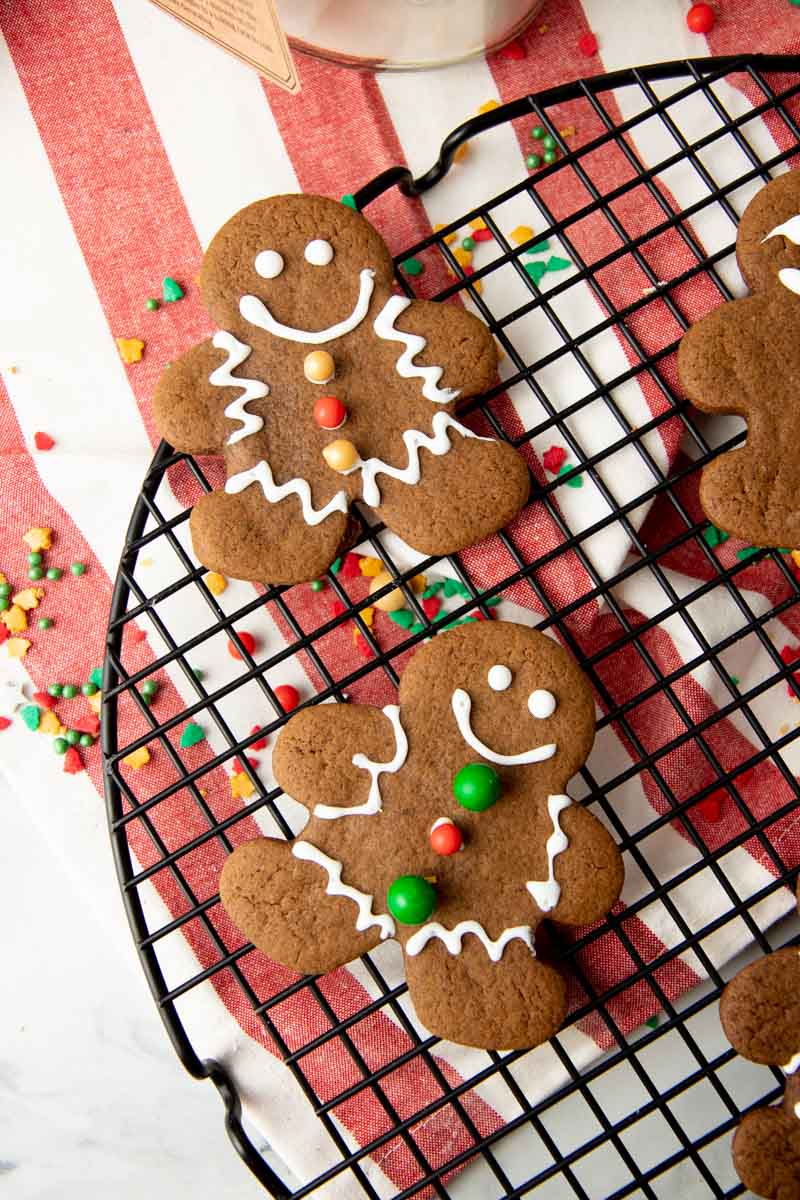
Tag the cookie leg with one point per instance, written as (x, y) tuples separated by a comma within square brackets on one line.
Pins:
[(245, 536), (279, 901), (512, 1004)]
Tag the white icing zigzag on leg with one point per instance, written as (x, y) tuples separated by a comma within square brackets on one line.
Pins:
[(274, 492)]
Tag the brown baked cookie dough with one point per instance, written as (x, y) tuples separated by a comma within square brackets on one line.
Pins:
[(323, 388), (441, 821), (744, 358)]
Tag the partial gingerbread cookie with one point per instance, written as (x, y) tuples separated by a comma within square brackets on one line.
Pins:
[(744, 358), (760, 1013), (323, 388), (441, 821)]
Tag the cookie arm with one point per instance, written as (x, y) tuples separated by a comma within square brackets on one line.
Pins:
[(455, 340), (188, 409), (589, 871), (708, 357)]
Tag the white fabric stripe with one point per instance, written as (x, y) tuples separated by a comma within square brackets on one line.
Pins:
[(190, 86)]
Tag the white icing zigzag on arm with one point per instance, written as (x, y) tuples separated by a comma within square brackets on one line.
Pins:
[(373, 804), (366, 917), (262, 474), (548, 892), (253, 389), (452, 938), (414, 344)]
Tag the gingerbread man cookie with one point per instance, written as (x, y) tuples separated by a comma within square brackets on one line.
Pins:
[(323, 388), (760, 1013), (744, 358), (441, 821)]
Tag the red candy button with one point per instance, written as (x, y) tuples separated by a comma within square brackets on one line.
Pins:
[(247, 640), (701, 18), (287, 696), (445, 837), (329, 412)]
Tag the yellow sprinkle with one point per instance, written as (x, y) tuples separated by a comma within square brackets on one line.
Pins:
[(488, 105), (523, 233), (29, 598), (356, 633), (477, 223), (215, 583), (14, 619), (796, 557), (137, 758), (18, 647), (241, 786), (543, 28), (419, 583), (38, 539), (130, 349), (49, 723), (568, 131), (477, 285), (500, 351), (450, 238), (462, 152), (430, 878), (462, 256), (783, 729), (94, 702), (370, 567), (145, 562), (368, 616), (3, 578)]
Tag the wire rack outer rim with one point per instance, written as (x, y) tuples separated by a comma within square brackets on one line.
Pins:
[(403, 179)]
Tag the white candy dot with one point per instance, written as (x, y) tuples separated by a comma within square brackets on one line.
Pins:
[(319, 252), (269, 264), (541, 704), (499, 677)]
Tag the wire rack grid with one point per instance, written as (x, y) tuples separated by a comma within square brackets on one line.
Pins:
[(675, 527)]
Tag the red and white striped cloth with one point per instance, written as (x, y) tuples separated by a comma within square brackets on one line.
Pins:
[(127, 142)]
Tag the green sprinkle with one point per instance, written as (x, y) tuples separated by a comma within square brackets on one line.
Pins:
[(652, 1022), (468, 243), (348, 200), (151, 305), (412, 266), (577, 481), (96, 676), (493, 602), (60, 745), (30, 715), (89, 688), (45, 622), (198, 674), (317, 585), (171, 289), (433, 590), (77, 568), (784, 550), (417, 627), (536, 270), (149, 688), (460, 621), (73, 736), (549, 142), (86, 739), (34, 559), (54, 572), (5, 589), (554, 263), (454, 587), (337, 562), (532, 161), (4, 603), (714, 537), (734, 680), (69, 691), (55, 689), (191, 735), (538, 132), (539, 248), (402, 617), (35, 574), (550, 156), (747, 552)]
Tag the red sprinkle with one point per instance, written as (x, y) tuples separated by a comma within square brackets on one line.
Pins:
[(554, 459), (481, 235), (287, 696), (701, 18), (351, 567), (135, 635), (514, 50), (711, 807), (587, 44), (247, 640), (43, 441), (261, 744), (73, 762), (791, 655), (237, 763), (44, 700), (431, 606), (88, 724), (4, 723), (3, 633), (364, 649), (338, 607)]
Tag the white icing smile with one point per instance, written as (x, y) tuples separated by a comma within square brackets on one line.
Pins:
[(462, 707), (256, 312)]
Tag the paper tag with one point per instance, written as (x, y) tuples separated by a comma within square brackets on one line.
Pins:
[(248, 29)]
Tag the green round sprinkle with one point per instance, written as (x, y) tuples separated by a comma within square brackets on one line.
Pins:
[(549, 142), (468, 243), (4, 603), (86, 739), (550, 156), (34, 559), (477, 787), (60, 745), (55, 689), (5, 589), (149, 688), (72, 736), (90, 688), (151, 305), (77, 568), (538, 131), (533, 161), (69, 691), (54, 572), (35, 573), (45, 622), (412, 266), (317, 585), (411, 899), (198, 674)]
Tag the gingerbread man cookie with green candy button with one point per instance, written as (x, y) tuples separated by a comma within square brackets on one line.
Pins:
[(441, 821), (323, 388), (744, 358)]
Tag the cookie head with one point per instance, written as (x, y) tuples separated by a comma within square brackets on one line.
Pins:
[(768, 245), (307, 271), (760, 1010)]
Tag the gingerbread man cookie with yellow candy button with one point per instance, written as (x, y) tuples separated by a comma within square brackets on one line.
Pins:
[(323, 388), (441, 821)]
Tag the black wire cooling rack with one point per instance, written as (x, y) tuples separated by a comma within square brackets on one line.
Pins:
[(698, 1105)]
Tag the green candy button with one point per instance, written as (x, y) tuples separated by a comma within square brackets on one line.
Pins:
[(411, 899), (477, 787)]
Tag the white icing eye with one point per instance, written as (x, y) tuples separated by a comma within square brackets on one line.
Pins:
[(319, 252), (269, 264), (499, 678), (541, 704)]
